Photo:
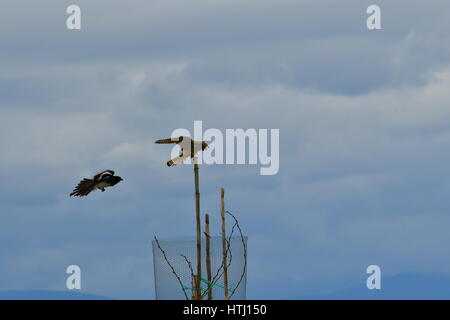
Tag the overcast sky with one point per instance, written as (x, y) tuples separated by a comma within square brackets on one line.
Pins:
[(364, 119)]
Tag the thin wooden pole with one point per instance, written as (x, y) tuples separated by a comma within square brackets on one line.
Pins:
[(208, 255), (193, 288), (196, 288), (224, 242), (198, 223)]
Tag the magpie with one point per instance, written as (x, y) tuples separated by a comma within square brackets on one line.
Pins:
[(100, 181), (189, 148)]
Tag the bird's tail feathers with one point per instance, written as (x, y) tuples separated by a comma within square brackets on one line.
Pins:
[(175, 161)]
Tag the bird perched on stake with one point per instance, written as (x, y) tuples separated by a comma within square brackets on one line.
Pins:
[(100, 181), (189, 148)]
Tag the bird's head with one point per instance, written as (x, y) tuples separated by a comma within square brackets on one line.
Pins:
[(204, 145), (115, 180)]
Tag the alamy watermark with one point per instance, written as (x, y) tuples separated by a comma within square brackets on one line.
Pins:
[(374, 280), (235, 146), (74, 280), (73, 21)]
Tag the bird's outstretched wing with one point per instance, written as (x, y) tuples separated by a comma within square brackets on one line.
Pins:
[(98, 176), (84, 188), (167, 141)]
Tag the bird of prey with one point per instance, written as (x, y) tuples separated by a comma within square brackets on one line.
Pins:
[(100, 181), (189, 148)]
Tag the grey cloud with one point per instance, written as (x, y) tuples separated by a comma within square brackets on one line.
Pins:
[(363, 120)]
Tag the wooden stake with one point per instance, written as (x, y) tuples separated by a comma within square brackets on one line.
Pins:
[(208, 256), (196, 292), (198, 223), (224, 243), (193, 288)]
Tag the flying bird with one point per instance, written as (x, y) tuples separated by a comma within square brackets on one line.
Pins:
[(189, 148), (100, 181)]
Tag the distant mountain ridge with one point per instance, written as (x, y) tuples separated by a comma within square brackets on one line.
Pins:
[(48, 295), (405, 286)]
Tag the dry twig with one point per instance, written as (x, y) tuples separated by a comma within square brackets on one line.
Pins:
[(245, 253), (173, 270)]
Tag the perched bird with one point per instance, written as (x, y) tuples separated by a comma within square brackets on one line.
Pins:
[(189, 148), (100, 181)]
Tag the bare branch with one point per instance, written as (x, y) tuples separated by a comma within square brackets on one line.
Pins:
[(219, 274), (173, 270), (189, 265), (245, 253)]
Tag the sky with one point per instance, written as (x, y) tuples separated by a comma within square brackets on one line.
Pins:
[(364, 122)]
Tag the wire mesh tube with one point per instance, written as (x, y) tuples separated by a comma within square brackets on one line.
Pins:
[(174, 262)]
